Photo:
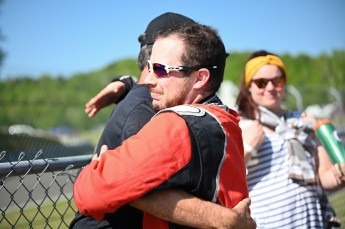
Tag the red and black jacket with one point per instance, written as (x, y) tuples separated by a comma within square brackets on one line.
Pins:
[(197, 148)]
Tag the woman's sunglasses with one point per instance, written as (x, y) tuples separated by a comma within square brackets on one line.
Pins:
[(162, 70), (262, 83)]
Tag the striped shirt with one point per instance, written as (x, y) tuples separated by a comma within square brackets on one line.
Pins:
[(278, 201)]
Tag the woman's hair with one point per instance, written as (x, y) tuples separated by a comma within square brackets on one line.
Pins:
[(245, 103)]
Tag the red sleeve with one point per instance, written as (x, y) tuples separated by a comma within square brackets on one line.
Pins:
[(143, 162)]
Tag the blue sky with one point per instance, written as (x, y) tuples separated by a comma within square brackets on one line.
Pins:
[(64, 37)]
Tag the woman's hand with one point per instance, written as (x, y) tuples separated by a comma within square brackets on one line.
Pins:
[(253, 136), (339, 173)]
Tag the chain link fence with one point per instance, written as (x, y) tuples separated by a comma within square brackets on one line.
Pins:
[(38, 192)]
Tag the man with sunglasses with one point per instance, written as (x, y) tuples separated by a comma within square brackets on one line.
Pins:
[(185, 146), (133, 112)]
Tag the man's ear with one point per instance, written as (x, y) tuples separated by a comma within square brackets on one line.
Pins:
[(202, 78)]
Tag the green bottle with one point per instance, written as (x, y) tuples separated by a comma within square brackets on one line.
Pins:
[(329, 138)]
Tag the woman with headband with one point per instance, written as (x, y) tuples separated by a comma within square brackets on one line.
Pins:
[(288, 170)]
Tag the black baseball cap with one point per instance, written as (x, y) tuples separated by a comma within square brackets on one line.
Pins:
[(163, 22)]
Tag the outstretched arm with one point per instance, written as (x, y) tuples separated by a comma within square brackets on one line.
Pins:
[(107, 96), (112, 93)]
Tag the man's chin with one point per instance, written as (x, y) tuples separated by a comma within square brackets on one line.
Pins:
[(156, 105)]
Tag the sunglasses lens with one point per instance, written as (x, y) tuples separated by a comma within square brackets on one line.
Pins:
[(159, 70), (261, 83), (278, 82)]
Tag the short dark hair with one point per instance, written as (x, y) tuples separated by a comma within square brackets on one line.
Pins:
[(203, 47), (144, 56), (162, 22)]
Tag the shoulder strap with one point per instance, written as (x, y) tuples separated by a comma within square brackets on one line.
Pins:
[(185, 110)]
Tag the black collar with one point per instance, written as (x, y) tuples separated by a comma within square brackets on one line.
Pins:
[(212, 99)]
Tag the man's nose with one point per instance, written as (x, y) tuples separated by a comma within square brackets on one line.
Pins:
[(150, 79)]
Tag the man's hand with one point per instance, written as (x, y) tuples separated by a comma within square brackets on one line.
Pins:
[(109, 95), (242, 209), (103, 149)]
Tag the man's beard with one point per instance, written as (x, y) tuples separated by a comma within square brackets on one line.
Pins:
[(178, 99)]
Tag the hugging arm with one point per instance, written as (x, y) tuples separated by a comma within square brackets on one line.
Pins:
[(179, 207)]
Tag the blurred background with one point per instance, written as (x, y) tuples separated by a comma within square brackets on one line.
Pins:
[(56, 55)]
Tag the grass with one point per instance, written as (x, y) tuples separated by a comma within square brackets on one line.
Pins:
[(92, 135), (338, 201), (47, 216)]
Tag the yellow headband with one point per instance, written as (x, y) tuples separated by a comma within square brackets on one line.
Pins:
[(254, 64)]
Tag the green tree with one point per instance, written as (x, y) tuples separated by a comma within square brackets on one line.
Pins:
[(46, 101)]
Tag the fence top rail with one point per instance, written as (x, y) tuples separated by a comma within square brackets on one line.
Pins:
[(17, 168)]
